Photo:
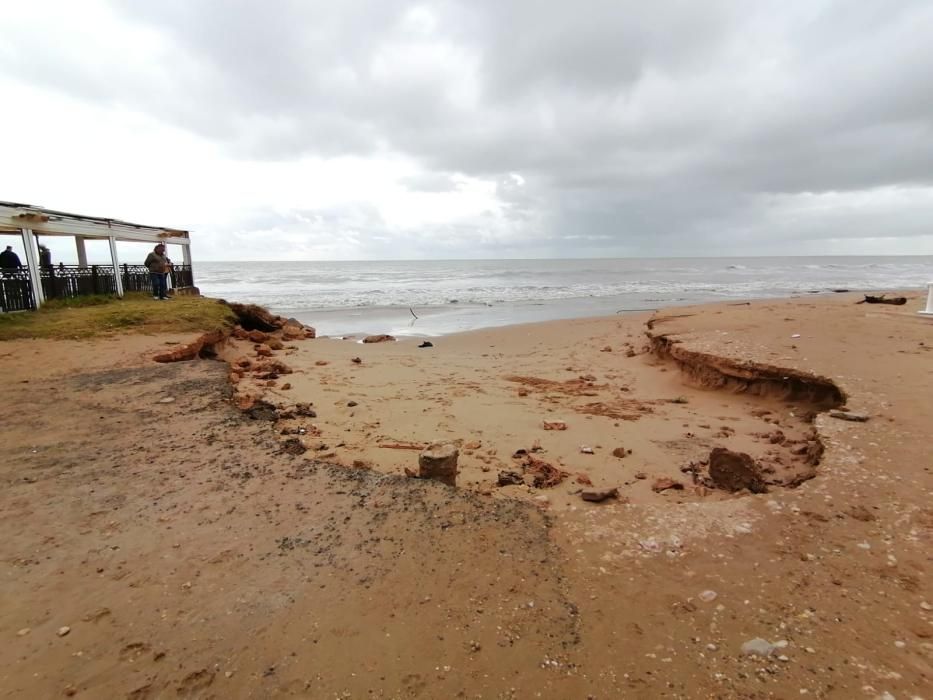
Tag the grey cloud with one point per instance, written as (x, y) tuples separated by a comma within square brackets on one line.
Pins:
[(647, 122)]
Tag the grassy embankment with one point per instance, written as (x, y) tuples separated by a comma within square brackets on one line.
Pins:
[(87, 317)]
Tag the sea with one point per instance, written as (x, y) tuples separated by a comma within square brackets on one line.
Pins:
[(427, 298)]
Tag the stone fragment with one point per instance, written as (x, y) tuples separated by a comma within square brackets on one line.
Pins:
[(304, 409), (258, 336), (847, 415), (381, 338), (555, 425), (597, 496), (294, 446), (862, 513), (757, 647), (510, 478), (586, 449), (665, 483), (167, 399), (439, 462), (708, 596), (351, 404), (734, 471), (641, 475), (62, 631), (356, 361), (619, 452), (264, 351)]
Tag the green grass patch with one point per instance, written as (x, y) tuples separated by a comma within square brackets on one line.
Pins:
[(92, 316)]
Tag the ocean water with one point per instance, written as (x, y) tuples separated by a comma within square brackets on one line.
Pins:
[(341, 298)]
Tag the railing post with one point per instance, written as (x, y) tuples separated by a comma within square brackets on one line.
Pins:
[(94, 279), (928, 311)]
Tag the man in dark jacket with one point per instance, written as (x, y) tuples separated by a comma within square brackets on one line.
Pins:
[(158, 266), (9, 259)]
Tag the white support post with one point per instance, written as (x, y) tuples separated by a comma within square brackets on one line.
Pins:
[(186, 254), (32, 260), (928, 311), (117, 275), (82, 251)]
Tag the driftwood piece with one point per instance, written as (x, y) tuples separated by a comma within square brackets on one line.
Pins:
[(893, 301)]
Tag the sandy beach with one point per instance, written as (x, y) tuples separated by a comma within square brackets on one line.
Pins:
[(216, 529)]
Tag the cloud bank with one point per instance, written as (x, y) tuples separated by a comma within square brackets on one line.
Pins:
[(445, 129)]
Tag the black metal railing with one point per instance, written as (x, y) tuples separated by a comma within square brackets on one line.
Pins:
[(69, 281), (15, 290)]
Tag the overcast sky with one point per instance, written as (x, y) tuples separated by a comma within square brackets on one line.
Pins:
[(479, 128)]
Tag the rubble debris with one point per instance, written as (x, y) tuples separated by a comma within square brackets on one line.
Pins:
[(356, 361), (544, 475), (598, 496), (439, 462), (893, 301), (510, 478), (381, 338), (619, 452), (294, 446), (860, 512), (426, 344), (666, 483), (554, 425), (734, 471)]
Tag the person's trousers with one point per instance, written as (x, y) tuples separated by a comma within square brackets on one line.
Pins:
[(158, 284)]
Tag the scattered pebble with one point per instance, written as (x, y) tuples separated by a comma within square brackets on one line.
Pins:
[(62, 631), (23, 632), (708, 596), (167, 399)]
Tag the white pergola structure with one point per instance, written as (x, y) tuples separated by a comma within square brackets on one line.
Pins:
[(30, 221)]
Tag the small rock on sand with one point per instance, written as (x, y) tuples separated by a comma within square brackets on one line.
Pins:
[(757, 647), (619, 452), (62, 631), (167, 399), (599, 496), (555, 425)]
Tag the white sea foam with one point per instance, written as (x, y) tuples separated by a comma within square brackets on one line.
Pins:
[(540, 289)]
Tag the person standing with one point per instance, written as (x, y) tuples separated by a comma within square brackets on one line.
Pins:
[(9, 259), (157, 264)]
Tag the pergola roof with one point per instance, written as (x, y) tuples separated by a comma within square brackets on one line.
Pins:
[(48, 222)]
